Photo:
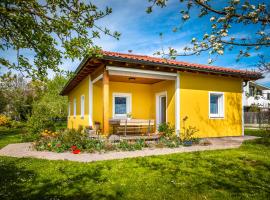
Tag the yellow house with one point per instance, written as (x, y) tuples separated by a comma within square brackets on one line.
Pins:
[(118, 85)]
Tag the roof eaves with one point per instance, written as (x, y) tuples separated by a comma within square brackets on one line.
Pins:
[(116, 58), (85, 59)]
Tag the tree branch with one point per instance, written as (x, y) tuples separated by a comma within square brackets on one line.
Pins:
[(263, 20)]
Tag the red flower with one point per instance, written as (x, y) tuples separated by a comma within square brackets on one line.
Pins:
[(77, 151), (58, 145), (73, 147)]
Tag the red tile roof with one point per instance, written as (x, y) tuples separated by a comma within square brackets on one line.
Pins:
[(179, 64), (83, 70)]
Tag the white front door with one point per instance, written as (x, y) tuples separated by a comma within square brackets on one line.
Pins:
[(161, 108)]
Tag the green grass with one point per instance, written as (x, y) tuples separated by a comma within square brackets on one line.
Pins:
[(9, 135), (257, 132), (242, 173)]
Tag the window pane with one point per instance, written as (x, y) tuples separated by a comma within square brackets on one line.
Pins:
[(120, 105), (214, 104)]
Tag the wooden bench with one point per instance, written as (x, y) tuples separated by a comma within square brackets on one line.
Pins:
[(132, 126)]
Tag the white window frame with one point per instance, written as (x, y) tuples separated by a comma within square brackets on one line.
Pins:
[(221, 104), (129, 104), (74, 107), (82, 106)]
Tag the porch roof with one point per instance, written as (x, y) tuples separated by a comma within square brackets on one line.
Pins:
[(90, 64)]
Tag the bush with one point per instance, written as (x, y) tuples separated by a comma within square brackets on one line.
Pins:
[(40, 121), (4, 121), (166, 129)]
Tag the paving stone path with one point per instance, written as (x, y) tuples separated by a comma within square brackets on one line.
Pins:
[(20, 150)]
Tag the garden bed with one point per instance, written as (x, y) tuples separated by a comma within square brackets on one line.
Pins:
[(79, 141)]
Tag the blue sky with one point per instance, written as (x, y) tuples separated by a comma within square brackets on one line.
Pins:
[(140, 33)]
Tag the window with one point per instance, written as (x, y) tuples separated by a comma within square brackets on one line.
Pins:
[(121, 104), (74, 107), (216, 107), (268, 96), (82, 106)]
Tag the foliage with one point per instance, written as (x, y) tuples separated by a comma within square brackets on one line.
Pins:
[(258, 132), (3, 101), (4, 120), (19, 94), (254, 108), (241, 173), (171, 142), (223, 36), (166, 129), (188, 132), (51, 31), (50, 107)]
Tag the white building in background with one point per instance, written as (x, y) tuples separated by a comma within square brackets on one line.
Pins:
[(257, 95)]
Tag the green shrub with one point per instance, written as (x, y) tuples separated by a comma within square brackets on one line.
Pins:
[(166, 129), (172, 142)]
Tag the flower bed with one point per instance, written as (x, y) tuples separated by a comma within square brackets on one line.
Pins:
[(78, 141)]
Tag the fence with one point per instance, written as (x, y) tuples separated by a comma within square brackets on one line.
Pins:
[(257, 118)]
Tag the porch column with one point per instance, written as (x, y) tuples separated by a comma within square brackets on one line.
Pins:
[(177, 105), (105, 102), (90, 102)]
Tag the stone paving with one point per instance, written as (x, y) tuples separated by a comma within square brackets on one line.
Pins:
[(20, 150)]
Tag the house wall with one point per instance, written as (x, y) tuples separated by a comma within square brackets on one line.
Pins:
[(81, 89), (194, 98)]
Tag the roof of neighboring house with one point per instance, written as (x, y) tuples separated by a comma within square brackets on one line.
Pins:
[(260, 86), (85, 69)]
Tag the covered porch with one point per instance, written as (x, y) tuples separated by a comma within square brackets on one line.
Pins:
[(133, 102)]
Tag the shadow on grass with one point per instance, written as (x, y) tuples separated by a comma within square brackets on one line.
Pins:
[(21, 183)]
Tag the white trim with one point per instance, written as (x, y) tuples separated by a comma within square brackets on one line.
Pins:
[(74, 107), (177, 105), (90, 92), (141, 73), (158, 95), (220, 115), (243, 104), (129, 104), (82, 105), (97, 78)]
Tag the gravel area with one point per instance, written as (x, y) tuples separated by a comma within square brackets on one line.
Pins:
[(26, 150)]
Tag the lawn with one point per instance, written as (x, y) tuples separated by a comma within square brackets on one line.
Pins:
[(8, 136), (242, 173)]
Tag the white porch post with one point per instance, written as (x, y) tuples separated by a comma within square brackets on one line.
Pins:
[(90, 102), (177, 104)]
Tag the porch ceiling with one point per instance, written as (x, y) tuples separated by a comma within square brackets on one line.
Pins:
[(129, 79)]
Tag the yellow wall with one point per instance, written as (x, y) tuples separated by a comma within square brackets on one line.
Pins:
[(194, 102), (194, 98), (81, 89)]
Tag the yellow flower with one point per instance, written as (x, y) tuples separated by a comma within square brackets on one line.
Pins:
[(49, 144)]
